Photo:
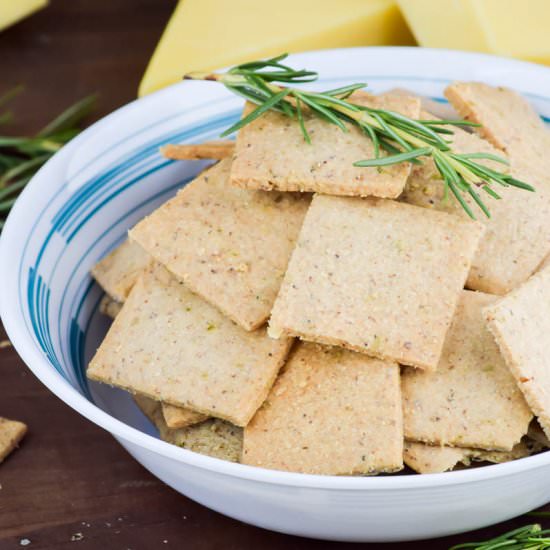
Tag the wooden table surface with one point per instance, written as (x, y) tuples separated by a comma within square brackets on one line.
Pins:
[(70, 485)]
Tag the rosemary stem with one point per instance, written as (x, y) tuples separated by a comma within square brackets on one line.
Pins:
[(268, 84)]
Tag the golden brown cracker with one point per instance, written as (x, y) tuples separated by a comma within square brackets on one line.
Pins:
[(331, 411), (11, 434), (472, 399), (213, 437), (179, 417), (119, 270), (271, 154), (376, 276), (520, 323), (231, 246), (171, 345)]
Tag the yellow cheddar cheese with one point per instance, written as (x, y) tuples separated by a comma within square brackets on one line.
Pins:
[(502, 27), (210, 34), (12, 11)]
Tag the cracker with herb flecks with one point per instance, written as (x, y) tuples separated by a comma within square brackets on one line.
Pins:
[(376, 276), (119, 270), (213, 437), (11, 433), (506, 119), (326, 164), (472, 399), (427, 459), (521, 220), (520, 323), (171, 345), (518, 231), (231, 246), (179, 417), (175, 417), (331, 411)]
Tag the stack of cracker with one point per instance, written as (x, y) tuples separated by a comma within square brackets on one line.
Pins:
[(290, 311)]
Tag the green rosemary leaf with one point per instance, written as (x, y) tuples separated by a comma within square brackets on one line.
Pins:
[(446, 170), (13, 187), (22, 168), (395, 133), (390, 132), (268, 104), (528, 537), (323, 111), (11, 141), (392, 149), (518, 183), (491, 192), (443, 131), (7, 204), (345, 91), (70, 117), (375, 140), (488, 156), (327, 100), (393, 159), (21, 157), (301, 120), (412, 124), (478, 200), (460, 199), (450, 122)]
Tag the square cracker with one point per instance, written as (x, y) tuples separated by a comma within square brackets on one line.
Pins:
[(507, 254), (331, 411), (11, 433), (376, 276), (171, 345), (427, 459), (507, 120), (214, 437), (231, 246), (518, 233), (472, 399), (179, 417), (175, 417), (118, 271), (325, 165), (520, 323)]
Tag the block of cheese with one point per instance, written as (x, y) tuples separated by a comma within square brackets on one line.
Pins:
[(513, 29), (211, 34), (12, 11)]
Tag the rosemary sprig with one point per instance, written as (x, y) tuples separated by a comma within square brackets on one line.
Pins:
[(529, 537), (21, 157), (402, 138)]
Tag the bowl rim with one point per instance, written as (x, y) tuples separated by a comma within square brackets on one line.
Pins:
[(24, 344)]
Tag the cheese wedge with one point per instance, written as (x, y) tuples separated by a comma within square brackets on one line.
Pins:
[(12, 11), (208, 34), (502, 27)]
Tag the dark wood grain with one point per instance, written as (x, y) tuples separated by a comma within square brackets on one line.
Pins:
[(70, 485)]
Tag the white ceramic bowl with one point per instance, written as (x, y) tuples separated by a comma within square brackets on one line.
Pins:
[(80, 205)]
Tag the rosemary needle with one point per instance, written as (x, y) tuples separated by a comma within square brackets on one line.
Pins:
[(529, 537), (403, 139), (21, 157)]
